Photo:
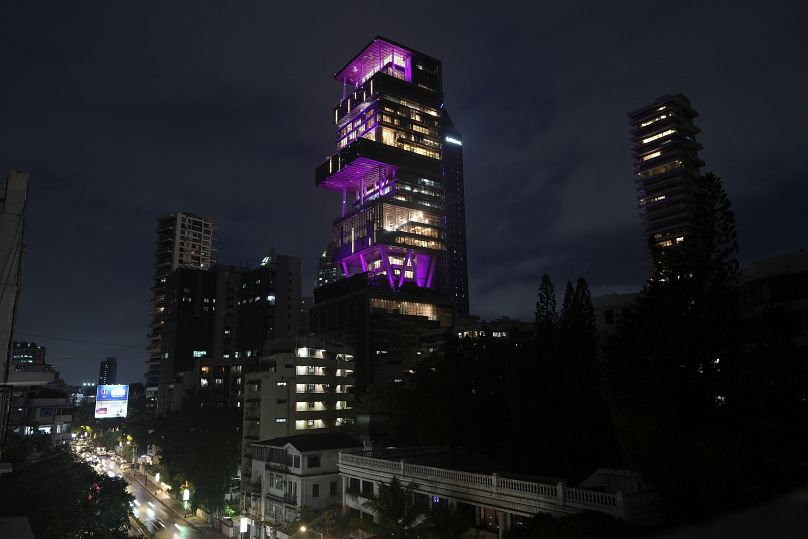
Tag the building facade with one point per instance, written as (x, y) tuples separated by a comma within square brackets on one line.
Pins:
[(184, 240), (13, 196), (390, 239), (454, 200), (290, 473), (296, 390), (108, 372), (666, 167), (269, 305), (198, 342)]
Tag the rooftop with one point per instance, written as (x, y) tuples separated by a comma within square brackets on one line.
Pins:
[(313, 442), (373, 57)]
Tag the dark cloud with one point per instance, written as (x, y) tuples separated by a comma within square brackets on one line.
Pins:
[(124, 113)]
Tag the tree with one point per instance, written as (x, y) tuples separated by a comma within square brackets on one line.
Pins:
[(61, 496), (397, 512), (546, 324), (201, 446), (664, 383)]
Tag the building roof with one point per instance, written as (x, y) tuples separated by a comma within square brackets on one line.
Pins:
[(313, 442)]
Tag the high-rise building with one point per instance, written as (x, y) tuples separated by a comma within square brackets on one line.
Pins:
[(454, 200), (198, 343), (217, 324), (327, 270), (108, 372), (184, 240), (391, 235), (666, 166), (269, 305)]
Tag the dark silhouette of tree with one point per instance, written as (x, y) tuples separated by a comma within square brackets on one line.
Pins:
[(201, 446), (396, 512), (546, 323), (669, 371), (61, 496)]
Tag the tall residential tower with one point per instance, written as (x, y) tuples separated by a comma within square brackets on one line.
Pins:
[(667, 167), (397, 152), (184, 240)]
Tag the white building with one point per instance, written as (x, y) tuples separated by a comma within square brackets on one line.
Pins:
[(290, 473), (296, 390), (491, 501)]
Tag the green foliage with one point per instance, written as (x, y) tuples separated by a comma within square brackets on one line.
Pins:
[(201, 446), (62, 497), (546, 322), (585, 525), (397, 513)]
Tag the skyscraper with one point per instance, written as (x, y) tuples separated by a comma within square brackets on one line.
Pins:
[(454, 200), (184, 240), (108, 372), (391, 235), (667, 167)]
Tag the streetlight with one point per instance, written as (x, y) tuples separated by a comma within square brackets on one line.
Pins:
[(304, 529)]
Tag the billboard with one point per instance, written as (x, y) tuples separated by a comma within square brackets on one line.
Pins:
[(111, 401)]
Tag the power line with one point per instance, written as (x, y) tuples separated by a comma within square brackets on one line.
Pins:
[(81, 341)]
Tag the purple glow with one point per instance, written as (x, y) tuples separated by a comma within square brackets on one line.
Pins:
[(372, 60)]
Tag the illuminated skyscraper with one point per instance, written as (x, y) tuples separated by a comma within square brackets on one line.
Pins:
[(667, 167), (397, 152)]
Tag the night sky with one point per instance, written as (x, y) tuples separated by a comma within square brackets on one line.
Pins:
[(224, 109)]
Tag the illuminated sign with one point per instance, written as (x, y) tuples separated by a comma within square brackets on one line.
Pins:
[(454, 141), (111, 401)]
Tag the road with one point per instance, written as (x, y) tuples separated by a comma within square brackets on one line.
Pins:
[(161, 515), (161, 521)]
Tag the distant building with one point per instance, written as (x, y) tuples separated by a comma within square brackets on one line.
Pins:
[(666, 167), (269, 305), (108, 372), (184, 240), (328, 271), (296, 390), (198, 342), (290, 473), (29, 357), (777, 285), (45, 411), (610, 311)]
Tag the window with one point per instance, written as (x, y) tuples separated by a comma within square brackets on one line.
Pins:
[(313, 461), (203, 382), (315, 490), (200, 353), (310, 423), (297, 461), (367, 489), (332, 488)]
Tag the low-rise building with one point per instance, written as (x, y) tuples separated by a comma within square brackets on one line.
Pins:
[(297, 389), (291, 473)]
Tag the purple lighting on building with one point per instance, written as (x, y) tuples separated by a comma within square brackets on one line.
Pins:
[(379, 55)]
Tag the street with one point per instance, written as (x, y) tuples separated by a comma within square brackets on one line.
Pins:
[(161, 521), (161, 514)]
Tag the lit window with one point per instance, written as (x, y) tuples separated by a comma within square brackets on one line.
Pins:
[(280, 420), (200, 353)]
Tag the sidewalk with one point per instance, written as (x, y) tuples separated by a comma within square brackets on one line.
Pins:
[(175, 507)]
